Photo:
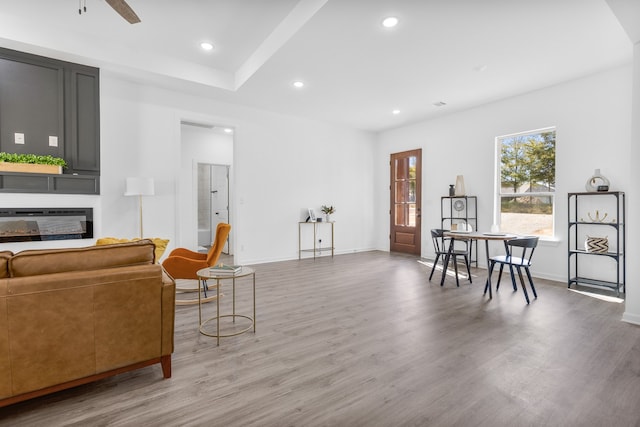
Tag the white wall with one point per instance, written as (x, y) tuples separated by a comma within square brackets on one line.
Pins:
[(593, 120), (198, 145), (281, 166), (632, 301)]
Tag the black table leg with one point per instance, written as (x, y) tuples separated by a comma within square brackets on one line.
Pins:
[(488, 283)]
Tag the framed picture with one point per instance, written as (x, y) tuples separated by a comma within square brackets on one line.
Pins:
[(312, 215)]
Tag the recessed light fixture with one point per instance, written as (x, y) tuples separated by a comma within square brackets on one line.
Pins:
[(298, 84), (395, 112), (206, 46), (439, 104), (390, 22), (228, 130)]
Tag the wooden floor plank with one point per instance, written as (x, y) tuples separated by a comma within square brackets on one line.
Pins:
[(366, 340)]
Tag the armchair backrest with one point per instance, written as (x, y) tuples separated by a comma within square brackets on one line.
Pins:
[(222, 232)]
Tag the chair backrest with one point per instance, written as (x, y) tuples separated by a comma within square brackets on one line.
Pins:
[(438, 240), (222, 232), (528, 246)]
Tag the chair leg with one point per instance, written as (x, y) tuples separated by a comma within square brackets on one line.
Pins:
[(466, 262), (524, 289), (434, 266), (513, 277), (533, 288), (499, 276)]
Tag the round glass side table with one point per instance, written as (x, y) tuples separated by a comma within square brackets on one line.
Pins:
[(204, 276)]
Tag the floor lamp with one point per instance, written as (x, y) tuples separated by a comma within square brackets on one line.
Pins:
[(138, 186)]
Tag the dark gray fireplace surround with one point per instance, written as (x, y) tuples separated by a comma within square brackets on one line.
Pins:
[(40, 224)]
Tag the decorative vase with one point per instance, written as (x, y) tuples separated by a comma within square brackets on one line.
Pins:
[(459, 189), (597, 182), (452, 190), (327, 217)]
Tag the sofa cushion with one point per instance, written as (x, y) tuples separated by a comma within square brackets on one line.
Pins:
[(4, 263), (46, 261)]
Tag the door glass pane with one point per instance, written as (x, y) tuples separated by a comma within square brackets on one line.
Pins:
[(411, 195), (412, 167), (401, 169), (402, 192), (412, 215), (401, 215)]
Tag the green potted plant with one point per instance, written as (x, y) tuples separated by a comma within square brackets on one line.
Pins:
[(31, 163), (327, 211)]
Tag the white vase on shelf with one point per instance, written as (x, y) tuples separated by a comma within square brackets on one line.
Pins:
[(459, 191), (597, 182)]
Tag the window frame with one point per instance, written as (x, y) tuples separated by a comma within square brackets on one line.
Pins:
[(499, 195)]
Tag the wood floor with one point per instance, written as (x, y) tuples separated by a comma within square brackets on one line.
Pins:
[(366, 340)]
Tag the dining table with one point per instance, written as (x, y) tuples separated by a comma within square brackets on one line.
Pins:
[(454, 235)]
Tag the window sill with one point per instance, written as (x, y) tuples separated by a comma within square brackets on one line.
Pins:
[(549, 241)]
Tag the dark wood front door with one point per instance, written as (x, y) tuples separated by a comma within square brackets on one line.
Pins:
[(406, 178)]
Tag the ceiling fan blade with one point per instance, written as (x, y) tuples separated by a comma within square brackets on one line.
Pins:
[(124, 10)]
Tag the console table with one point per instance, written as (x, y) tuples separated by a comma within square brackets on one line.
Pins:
[(316, 248)]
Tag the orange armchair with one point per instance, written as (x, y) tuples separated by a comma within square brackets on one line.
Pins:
[(183, 263)]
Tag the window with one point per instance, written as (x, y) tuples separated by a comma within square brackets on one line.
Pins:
[(526, 182)]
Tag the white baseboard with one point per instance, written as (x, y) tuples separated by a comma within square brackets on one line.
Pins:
[(631, 318)]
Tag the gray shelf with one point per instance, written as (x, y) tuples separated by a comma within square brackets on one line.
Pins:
[(468, 214)]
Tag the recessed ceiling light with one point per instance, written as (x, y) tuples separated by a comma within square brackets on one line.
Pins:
[(298, 84), (439, 104), (390, 22), (206, 46), (395, 112), (228, 130)]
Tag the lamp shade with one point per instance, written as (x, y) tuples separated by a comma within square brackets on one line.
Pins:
[(138, 186)]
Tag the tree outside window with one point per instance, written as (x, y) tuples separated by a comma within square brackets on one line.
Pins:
[(527, 176)]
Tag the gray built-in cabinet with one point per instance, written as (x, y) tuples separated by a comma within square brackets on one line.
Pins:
[(56, 106)]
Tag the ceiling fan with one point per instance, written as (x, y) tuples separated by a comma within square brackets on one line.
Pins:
[(119, 6)]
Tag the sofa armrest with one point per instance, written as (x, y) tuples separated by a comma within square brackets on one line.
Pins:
[(168, 314)]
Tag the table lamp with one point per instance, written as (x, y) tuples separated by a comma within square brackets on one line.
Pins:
[(138, 186)]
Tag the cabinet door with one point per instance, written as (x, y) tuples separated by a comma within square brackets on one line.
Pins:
[(82, 148), (32, 104)]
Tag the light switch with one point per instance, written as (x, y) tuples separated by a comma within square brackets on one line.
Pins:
[(53, 141), (19, 138)]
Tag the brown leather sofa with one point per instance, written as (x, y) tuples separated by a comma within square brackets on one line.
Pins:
[(72, 316)]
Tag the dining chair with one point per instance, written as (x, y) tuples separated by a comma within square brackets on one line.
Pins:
[(441, 245), (524, 247)]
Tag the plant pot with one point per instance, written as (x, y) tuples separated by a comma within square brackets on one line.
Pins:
[(30, 168)]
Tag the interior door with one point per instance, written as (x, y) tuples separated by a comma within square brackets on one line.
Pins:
[(406, 178)]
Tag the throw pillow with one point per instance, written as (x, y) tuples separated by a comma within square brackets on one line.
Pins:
[(161, 244)]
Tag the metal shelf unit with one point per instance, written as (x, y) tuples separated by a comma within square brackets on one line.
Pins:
[(577, 229), (455, 210)]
